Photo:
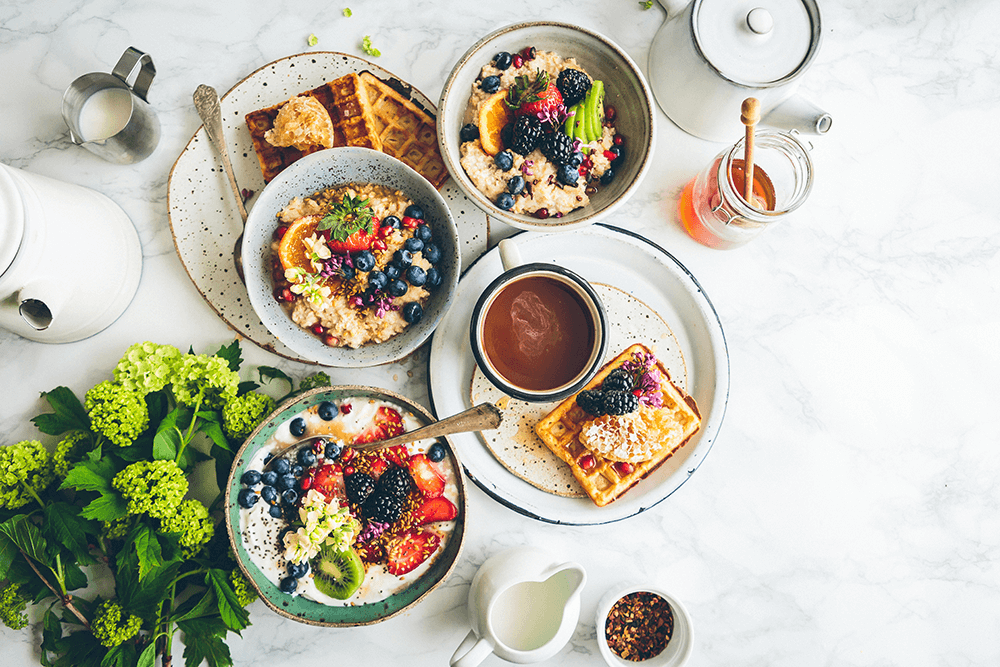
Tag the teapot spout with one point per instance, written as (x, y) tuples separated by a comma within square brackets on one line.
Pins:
[(797, 113)]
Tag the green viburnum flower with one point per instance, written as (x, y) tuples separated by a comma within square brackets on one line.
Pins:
[(204, 378), (117, 413), (155, 488), (114, 530), (313, 40), (366, 46), (111, 627), (245, 594), (192, 522), (241, 415), (147, 367), (12, 607), (70, 449), (320, 379), (25, 472)]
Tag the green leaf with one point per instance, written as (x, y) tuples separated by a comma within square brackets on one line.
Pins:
[(199, 606), (122, 655), (166, 442), (213, 429), (246, 387), (79, 649), (203, 641), (51, 634), (83, 477), (233, 615), (69, 414), (268, 373), (109, 507), (148, 656), (74, 577), (223, 465), (26, 536), (148, 549), (8, 552), (232, 354), (142, 598), (70, 529), (157, 403)]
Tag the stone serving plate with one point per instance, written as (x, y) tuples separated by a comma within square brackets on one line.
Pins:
[(331, 168), (625, 89), (314, 613)]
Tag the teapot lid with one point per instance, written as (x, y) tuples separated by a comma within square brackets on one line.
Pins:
[(757, 43), (11, 219)]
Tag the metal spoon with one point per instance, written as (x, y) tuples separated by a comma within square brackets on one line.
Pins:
[(206, 101), (481, 417)]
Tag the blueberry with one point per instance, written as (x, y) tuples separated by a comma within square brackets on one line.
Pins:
[(504, 160), (377, 279), (575, 160), (413, 244), (269, 494), (502, 60), (298, 426), (432, 253), (434, 279), (468, 133), (392, 272), (505, 201), (282, 467), (424, 233), (298, 570), (285, 482), (326, 409), (414, 211), (490, 84), (416, 276), (397, 288), (306, 457), (289, 496), (567, 175), (402, 258), (251, 477), (391, 221), (515, 185), (436, 452), (275, 511), (608, 175), (332, 450), (412, 312), (348, 272), (297, 471), (363, 260), (267, 459), (288, 584), (269, 478), (247, 498)]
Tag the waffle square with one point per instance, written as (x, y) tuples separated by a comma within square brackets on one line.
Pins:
[(560, 431)]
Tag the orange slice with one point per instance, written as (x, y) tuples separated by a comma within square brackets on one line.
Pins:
[(292, 251), (493, 115)]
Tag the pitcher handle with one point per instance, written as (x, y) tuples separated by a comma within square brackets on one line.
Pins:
[(473, 651), (132, 59)]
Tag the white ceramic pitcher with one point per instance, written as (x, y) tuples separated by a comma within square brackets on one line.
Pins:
[(523, 606), (70, 259), (710, 55)]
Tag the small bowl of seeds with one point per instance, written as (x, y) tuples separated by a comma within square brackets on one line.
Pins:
[(638, 623)]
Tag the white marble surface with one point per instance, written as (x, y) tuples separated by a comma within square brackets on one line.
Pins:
[(848, 513)]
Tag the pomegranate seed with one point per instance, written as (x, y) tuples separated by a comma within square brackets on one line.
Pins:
[(410, 223), (349, 470), (287, 295), (330, 340), (528, 53), (346, 408), (280, 232), (378, 244), (318, 329), (637, 392), (542, 213), (347, 455), (610, 113), (587, 461), (306, 483), (624, 468), (319, 446), (386, 232), (619, 140), (517, 61), (610, 155)]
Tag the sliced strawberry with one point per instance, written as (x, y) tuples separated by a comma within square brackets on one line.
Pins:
[(359, 240), (387, 424), (398, 454), (378, 466), (426, 476), (405, 552), (435, 509), (330, 482)]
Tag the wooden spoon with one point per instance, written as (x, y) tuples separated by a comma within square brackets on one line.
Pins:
[(750, 115)]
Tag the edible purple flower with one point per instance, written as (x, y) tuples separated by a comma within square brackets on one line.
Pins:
[(333, 267), (554, 116), (526, 167), (372, 531), (646, 377), (383, 304)]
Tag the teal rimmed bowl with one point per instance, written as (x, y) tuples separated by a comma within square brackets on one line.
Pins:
[(315, 613)]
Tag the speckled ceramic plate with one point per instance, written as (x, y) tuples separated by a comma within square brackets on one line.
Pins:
[(629, 262), (204, 220), (314, 613)]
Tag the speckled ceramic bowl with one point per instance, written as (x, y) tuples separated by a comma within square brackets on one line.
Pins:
[(678, 648), (302, 609), (625, 89), (331, 168)]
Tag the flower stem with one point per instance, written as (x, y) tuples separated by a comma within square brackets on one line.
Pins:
[(190, 432), (67, 600)]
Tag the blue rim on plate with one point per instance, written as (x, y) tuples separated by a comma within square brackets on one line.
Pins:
[(614, 255)]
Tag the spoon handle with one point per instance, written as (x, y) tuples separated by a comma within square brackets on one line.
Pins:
[(206, 101), (478, 418)]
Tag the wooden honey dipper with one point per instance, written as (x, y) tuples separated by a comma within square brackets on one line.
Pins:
[(750, 116)]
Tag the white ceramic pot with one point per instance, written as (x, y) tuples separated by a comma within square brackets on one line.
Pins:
[(710, 55), (70, 259)]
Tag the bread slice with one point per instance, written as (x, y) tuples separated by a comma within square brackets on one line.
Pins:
[(605, 481)]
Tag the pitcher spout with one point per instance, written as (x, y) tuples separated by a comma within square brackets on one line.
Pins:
[(39, 304), (797, 113)]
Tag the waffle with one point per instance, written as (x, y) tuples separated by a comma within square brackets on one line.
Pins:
[(406, 131), (353, 124), (560, 431)]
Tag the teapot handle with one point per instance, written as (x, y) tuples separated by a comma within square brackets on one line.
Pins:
[(473, 651)]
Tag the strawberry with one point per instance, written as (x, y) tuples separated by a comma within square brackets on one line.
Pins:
[(398, 455), (426, 476), (329, 482), (377, 467), (435, 509), (532, 97), (387, 424), (405, 552), (359, 240)]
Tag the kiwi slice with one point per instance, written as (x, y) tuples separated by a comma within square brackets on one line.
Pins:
[(337, 573)]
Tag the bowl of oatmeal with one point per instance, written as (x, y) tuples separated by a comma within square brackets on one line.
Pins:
[(351, 257), (546, 126)]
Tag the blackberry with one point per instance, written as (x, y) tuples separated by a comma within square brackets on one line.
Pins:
[(591, 402), (395, 482), (618, 402), (359, 487), (527, 131), (573, 85), (382, 508), (557, 147), (619, 379)]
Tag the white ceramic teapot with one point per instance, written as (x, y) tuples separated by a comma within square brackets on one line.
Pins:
[(523, 606), (70, 259), (710, 55)]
